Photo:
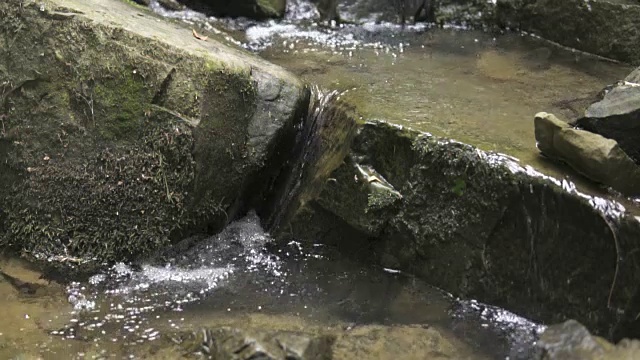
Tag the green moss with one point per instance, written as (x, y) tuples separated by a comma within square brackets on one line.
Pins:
[(118, 177), (119, 107), (228, 106), (459, 186)]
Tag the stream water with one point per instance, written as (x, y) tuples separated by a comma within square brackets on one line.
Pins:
[(237, 278), (467, 85), (472, 86)]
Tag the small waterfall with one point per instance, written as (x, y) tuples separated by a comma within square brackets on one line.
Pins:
[(322, 142)]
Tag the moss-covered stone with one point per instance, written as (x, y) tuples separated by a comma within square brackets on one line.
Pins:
[(119, 136), (478, 225)]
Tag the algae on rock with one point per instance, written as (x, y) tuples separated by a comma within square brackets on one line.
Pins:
[(119, 135)]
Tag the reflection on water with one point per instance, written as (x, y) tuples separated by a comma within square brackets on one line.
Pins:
[(238, 278)]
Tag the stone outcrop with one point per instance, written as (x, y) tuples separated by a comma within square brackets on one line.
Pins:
[(596, 157), (610, 28), (479, 225), (617, 116), (121, 132)]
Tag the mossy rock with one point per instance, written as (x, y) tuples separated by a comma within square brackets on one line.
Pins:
[(479, 225), (122, 132)]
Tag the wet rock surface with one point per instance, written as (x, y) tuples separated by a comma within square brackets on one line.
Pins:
[(119, 136), (593, 155), (479, 225), (617, 116), (589, 26)]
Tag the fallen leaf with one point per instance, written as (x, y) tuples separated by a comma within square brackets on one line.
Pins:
[(198, 36)]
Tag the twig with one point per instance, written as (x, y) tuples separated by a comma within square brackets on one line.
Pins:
[(3, 132), (89, 102), (191, 122), (618, 256), (164, 178)]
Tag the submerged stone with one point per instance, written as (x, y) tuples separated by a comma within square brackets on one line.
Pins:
[(232, 343), (358, 342), (123, 131)]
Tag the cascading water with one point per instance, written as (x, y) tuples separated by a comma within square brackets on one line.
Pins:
[(322, 142)]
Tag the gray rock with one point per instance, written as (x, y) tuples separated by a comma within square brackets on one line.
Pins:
[(547, 126), (145, 135), (360, 342), (572, 341), (233, 343), (479, 225), (617, 117), (607, 27), (593, 155)]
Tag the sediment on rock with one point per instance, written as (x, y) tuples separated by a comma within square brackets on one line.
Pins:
[(119, 136)]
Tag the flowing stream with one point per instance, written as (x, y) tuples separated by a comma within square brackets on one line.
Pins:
[(476, 87), (239, 278), (467, 85)]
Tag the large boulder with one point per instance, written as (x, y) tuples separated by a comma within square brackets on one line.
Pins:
[(479, 225), (592, 155), (254, 9), (121, 131), (610, 28), (617, 117)]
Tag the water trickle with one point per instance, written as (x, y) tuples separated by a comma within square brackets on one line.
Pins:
[(322, 141)]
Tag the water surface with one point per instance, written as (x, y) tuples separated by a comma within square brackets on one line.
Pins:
[(239, 278)]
